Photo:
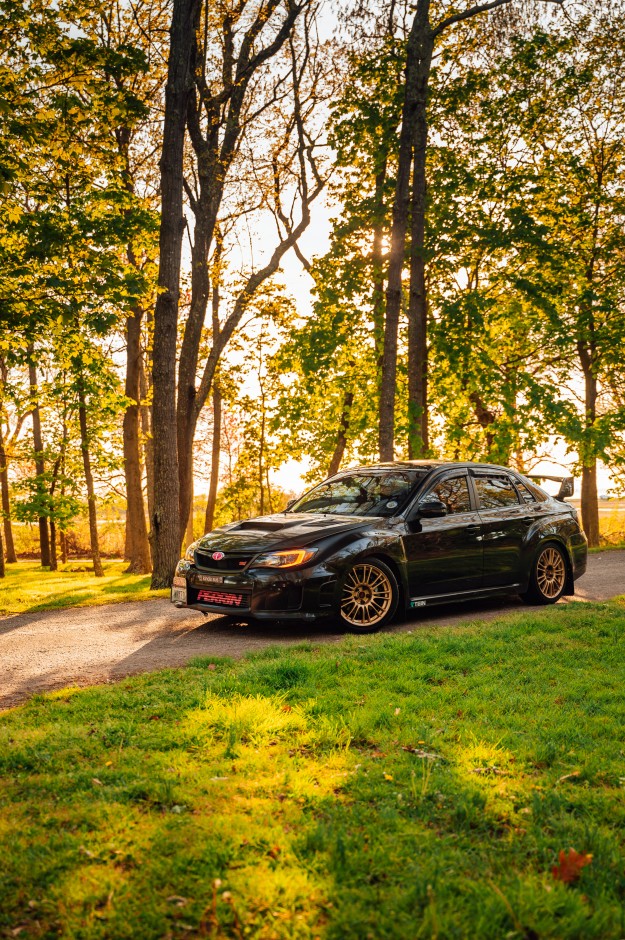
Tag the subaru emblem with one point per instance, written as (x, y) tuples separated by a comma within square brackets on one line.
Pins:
[(217, 556)]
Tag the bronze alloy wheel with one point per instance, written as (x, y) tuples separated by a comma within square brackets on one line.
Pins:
[(550, 572), (548, 576), (369, 596)]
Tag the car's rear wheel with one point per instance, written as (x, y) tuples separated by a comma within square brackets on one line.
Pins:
[(369, 596), (548, 576)]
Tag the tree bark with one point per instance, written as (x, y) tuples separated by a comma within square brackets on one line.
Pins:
[(137, 545), (166, 531), (341, 437), (590, 496), (86, 462), (418, 65), (6, 503), (418, 438), (377, 264), (40, 467), (2, 570), (590, 504), (188, 537), (148, 444), (215, 454)]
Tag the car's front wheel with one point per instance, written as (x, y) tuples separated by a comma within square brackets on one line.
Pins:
[(548, 576), (369, 596)]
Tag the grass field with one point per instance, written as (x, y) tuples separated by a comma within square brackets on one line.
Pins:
[(28, 587), (416, 785)]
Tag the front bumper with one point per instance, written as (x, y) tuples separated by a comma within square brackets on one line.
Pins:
[(307, 593)]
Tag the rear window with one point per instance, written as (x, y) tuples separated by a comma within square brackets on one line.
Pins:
[(496, 492)]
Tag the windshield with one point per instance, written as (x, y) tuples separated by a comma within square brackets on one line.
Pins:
[(381, 493)]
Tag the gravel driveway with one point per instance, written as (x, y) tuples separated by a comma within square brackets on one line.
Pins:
[(83, 646)]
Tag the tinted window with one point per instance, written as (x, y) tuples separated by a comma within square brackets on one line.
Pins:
[(526, 495), (362, 494), (454, 493), (495, 492)]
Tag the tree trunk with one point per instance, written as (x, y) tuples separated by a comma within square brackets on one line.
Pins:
[(418, 64), (418, 441), (188, 537), (590, 497), (6, 503), (44, 538), (186, 419), (2, 571), (86, 462), (215, 454), (341, 437), (166, 530), (377, 264), (148, 444), (137, 545), (63, 544), (53, 562)]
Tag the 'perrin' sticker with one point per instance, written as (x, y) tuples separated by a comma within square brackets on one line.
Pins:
[(415, 602)]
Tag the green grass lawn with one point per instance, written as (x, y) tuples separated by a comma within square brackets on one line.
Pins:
[(415, 785), (27, 586)]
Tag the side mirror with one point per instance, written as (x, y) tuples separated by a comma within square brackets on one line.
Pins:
[(431, 509), (290, 503), (566, 488)]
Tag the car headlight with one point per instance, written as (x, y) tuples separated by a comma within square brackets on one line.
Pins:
[(290, 558), (189, 556)]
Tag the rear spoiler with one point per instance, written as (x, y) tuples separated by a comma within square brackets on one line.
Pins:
[(567, 484)]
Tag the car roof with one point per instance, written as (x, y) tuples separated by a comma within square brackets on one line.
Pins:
[(424, 465)]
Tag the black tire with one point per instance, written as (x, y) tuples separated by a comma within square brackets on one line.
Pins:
[(369, 596), (548, 575)]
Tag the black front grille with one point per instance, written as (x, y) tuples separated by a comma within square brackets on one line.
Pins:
[(231, 562)]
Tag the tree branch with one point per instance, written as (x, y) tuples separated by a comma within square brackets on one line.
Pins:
[(473, 11)]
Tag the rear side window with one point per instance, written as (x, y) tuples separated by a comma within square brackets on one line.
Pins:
[(454, 493), (495, 492), (526, 495)]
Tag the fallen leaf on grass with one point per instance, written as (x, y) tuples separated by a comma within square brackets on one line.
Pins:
[(576, 773), (388, 776), (570, 865), (98, 783), (418, 752), (490, 771), (176, 899)]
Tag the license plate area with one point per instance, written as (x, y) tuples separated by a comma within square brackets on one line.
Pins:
[(208, 579), (179, 595)]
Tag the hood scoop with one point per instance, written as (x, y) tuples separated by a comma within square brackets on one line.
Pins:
[(258, 526)]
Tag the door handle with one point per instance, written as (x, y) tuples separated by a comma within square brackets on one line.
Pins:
[(527, 519), (473, 527)]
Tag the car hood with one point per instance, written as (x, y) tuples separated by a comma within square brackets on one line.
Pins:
[(281, 530)]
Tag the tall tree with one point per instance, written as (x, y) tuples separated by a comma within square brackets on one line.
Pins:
[(412, 159), (166, 532)]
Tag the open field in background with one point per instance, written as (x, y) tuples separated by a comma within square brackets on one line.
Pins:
[(112, 521), (389, 787), (28, 587)]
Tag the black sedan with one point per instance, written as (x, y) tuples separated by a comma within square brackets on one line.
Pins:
[(376, 540)]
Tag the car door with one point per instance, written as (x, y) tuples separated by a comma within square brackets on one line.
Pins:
[(505, 523), (444, 555)]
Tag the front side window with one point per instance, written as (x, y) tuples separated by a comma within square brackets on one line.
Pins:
[(382, 493), (495, 492), (453, 493)]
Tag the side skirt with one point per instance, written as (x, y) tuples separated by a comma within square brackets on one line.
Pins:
[(429, 601)]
